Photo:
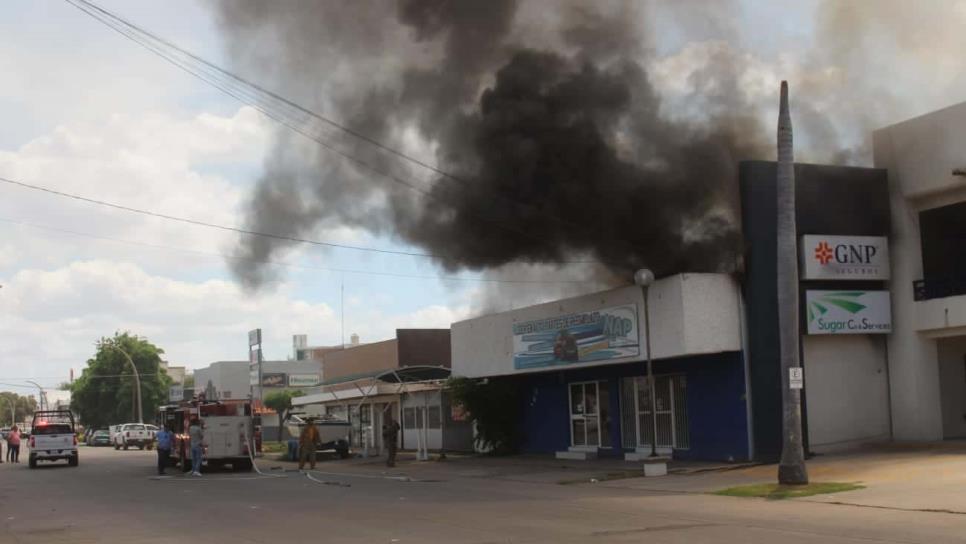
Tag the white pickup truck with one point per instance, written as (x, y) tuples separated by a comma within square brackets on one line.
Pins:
[(133, 434), (52, 438)]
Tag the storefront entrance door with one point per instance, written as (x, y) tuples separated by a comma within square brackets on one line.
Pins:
[(585, 415)]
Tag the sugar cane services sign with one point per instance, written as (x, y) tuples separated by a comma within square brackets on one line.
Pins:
[(844, 257), (848, 312)]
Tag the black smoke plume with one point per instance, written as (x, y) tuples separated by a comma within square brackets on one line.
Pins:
[(556, 145)]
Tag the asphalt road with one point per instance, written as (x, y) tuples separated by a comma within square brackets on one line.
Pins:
[(113, 496)]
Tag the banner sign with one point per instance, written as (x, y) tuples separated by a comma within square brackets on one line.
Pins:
[(609, 333), (273, 379), (848, 312), (303, 380), (845, 257), (255, 337)]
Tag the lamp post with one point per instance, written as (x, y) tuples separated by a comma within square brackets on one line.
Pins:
[(137, 377), (644, 278), (41, 395)]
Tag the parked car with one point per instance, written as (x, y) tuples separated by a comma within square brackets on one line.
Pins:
[(100, 438), (4, 432), (53, 438), (133, 434), (154, 431)]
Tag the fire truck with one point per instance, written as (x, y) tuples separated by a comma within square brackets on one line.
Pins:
[(229, 432)]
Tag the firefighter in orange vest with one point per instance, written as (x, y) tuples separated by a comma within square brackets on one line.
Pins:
[(308, 438)]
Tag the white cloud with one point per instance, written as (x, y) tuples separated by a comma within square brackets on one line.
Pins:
[(53, 317), (155, 161)]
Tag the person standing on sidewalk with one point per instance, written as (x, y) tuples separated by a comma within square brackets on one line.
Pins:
[(13, 444), (390, 435), (197, 436), (308, 439), (165, 440)]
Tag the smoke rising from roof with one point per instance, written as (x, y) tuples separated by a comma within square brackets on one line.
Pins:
[(553, 117)]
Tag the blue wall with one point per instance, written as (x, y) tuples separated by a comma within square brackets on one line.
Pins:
[(716, 405)]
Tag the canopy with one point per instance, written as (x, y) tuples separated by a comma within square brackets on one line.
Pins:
[(367, 384)]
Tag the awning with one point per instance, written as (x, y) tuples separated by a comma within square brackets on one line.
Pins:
[(407, 379), (414, 374)]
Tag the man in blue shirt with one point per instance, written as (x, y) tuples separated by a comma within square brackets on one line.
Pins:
[(165, 439)]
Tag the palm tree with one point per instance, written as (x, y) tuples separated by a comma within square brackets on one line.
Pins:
[(791, 469)]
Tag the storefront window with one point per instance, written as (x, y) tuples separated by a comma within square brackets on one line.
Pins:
[(434, 418), (409, 418), (577, 399)]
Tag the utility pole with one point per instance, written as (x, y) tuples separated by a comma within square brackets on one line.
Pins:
[(644, 278), (791, 468)]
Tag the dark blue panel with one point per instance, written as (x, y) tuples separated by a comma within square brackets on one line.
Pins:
[(546, 416), (716, 405)]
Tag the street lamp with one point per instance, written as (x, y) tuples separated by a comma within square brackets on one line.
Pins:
[(644, 278), (41, 396), (137, 377)]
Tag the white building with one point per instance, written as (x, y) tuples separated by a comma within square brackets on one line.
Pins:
[(580, 363), (926, 159)]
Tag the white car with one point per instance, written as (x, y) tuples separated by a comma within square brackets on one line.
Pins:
[(133, 434), (52, 438)]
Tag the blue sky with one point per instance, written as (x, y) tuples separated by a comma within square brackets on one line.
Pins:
[(89, 112)]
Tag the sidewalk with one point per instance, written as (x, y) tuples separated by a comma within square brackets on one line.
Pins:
[(902, 476)]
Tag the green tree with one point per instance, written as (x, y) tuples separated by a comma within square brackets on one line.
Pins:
[(494, 406), (20, 407), (105, 393), (281, 403)]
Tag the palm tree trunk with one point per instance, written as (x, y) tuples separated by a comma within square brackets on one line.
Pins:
[(791, 469)]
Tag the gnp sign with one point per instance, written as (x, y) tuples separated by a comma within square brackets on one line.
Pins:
[(848, 312), (845, 257)]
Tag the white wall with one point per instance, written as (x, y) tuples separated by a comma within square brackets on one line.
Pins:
[(690, 314), (920, 155), (412, 436), (952, 371), (846, 389)]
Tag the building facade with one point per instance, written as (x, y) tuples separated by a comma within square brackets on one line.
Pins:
[(843, 223), (581, 365), (926, 161), (352, 390)]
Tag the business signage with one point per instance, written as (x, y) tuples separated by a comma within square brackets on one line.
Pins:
[(273, 379), (255, 337), (599, 335), (254, 356), (303, 380), (845, 257), (848, 312), (175, 393)]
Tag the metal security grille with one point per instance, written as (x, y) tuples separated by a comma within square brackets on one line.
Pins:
[(672, 417)]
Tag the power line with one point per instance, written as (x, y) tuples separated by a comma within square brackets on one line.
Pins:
[(277, 263), (210, 225), (282, 110)]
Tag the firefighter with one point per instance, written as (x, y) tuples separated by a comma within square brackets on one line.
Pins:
[(308, 438), (390, 434)]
